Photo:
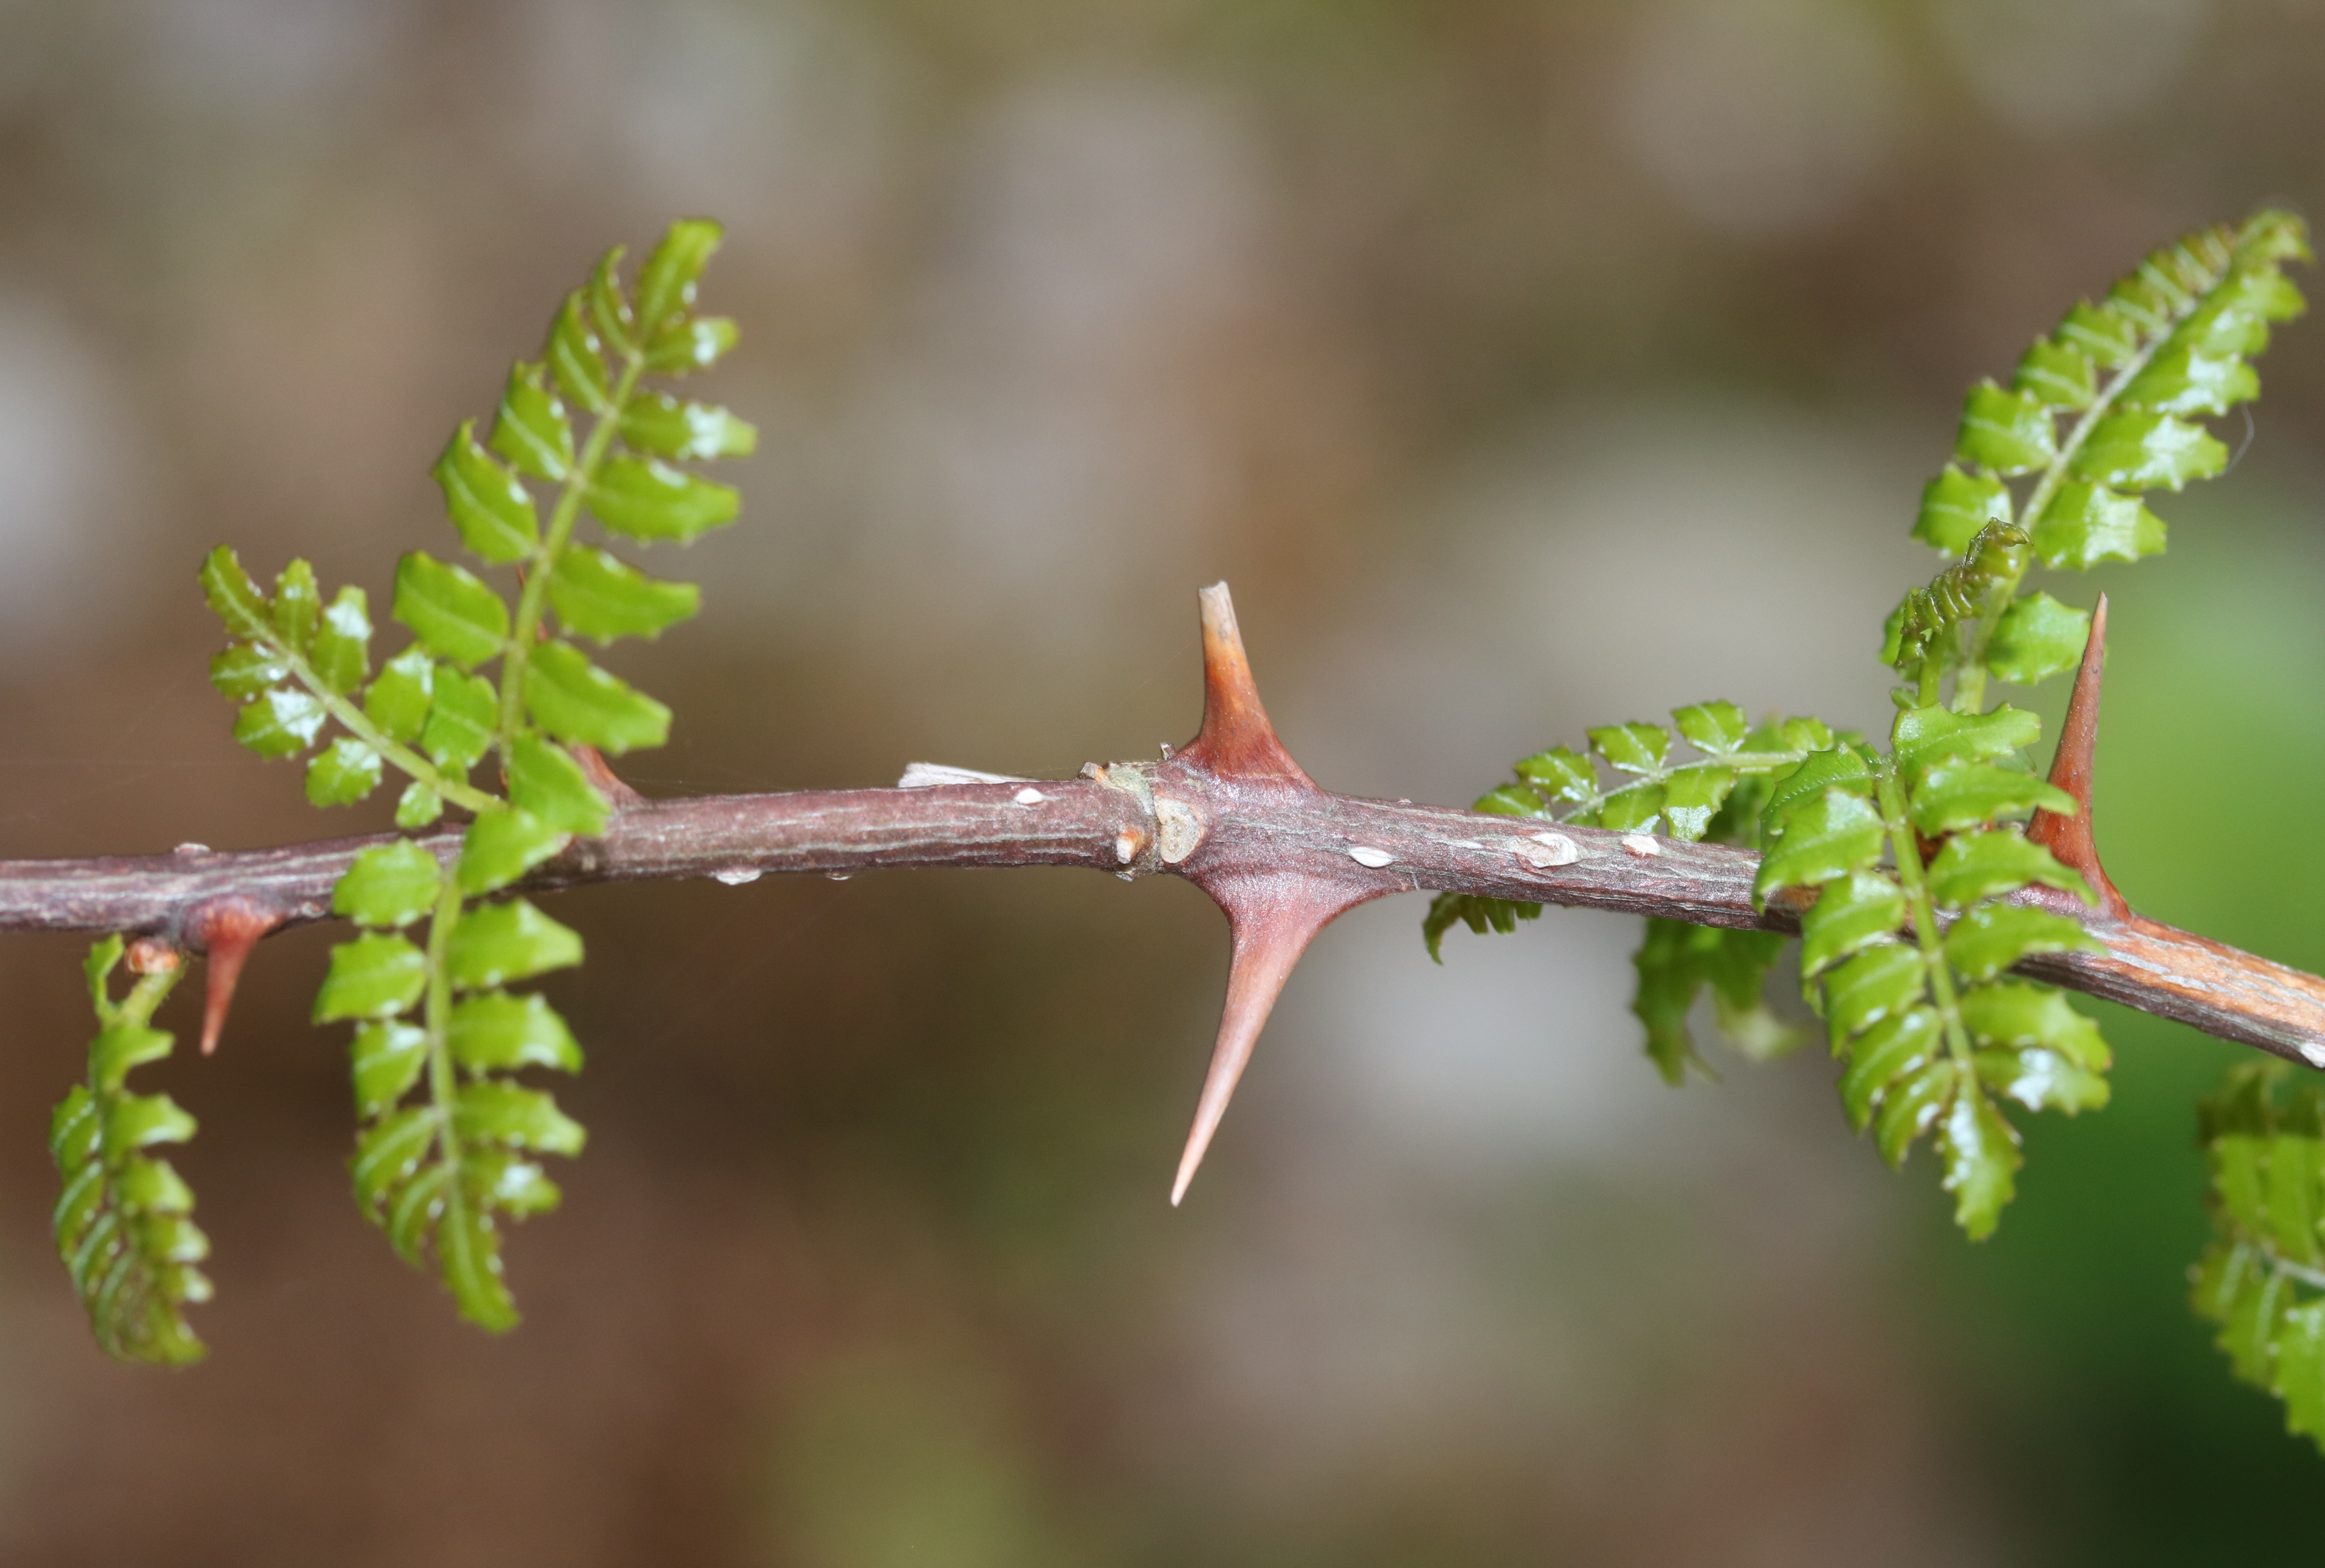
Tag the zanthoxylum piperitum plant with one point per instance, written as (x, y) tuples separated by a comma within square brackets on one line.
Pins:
[(1941, 888)]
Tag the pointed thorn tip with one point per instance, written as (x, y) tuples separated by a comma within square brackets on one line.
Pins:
[(227, 929)]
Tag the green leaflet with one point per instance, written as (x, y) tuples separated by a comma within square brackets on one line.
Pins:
[(1479, 914), (2005, 432), (459, 727), (548, 784), (503, 846), (1976, 865), (1675, 961), (502, 943), (600, 596), (372, 977), (488, 504), (648, 500), (1850, 914), (2260, 1280), (399, 701), (660, 425), (340, 651), (1959, 792), (1992, 937), (1829, 837), (2036, 638), (343, 774), (1957, 506), (123, 1222), (2086, 524), (450, 609), (580, 703), (532, 431)]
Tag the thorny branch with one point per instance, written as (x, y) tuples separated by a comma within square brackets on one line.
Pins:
[(1234, 814)]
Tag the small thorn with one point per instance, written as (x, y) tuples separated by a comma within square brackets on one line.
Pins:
[(2070, 839), (226, 930), (609, 784), (1236, 739)]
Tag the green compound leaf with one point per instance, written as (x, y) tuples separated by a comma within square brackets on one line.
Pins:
[(649, 500), (1480, 915), (1880, 982), (661, 426), (581, 704), (1831, 837), (450, 609), (298, 607), (489, 507), (1850, 914), (499, 1033), (341, 651), (1958, 793), (342, 775), (1891, 1050), (2036, 638), (2086, 524), (376, 976), (532, 430), (388, 886), (502, 943), (1976, 865), (2139, 449), (547, 783), (599, 596), (2005, 432), (1992, 937), (241, 671), (122, 1223), (459, 727), (398, 701), (388, 1059), (503, 846), (1980, 1151), (1632, 747), (283, 722), (1956, 505)]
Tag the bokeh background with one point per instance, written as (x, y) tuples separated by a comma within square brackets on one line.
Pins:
[(1524, 367)]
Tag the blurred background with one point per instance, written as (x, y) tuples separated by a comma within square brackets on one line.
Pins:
[(1524, 367)]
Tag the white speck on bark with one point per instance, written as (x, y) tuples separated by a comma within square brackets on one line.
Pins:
[(1547, 849), (1178, 831), (736, 875), (1366, 855), (1029, 796), (1642, 845)]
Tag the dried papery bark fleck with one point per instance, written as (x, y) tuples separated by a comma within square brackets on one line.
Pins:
[(2071, 837)]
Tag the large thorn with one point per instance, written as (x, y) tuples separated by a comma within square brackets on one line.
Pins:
[(2069, 838), (1273, 919), (1273, 914), (225, 930)]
